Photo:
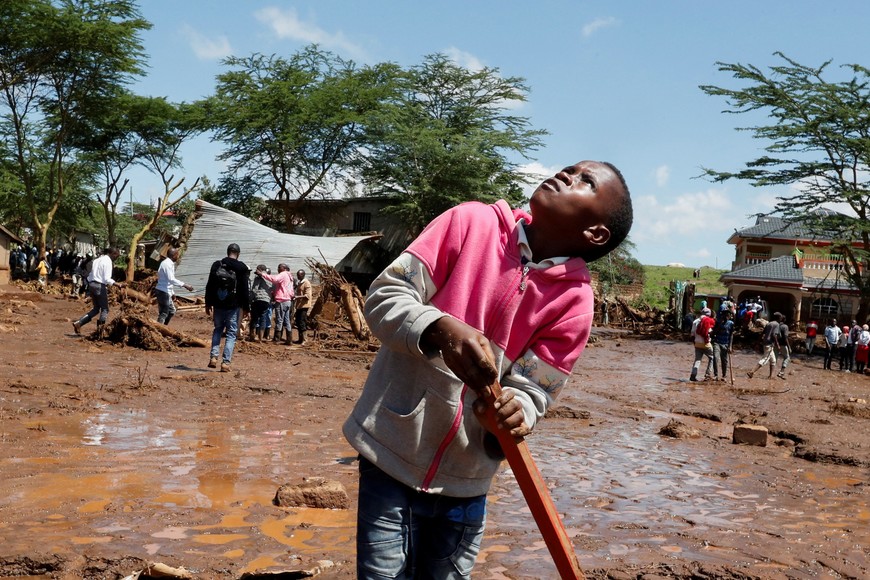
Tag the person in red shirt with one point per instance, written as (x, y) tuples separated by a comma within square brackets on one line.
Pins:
[(703, 345), (812, 331)]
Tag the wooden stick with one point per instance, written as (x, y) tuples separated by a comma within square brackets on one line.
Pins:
[(535, 492)]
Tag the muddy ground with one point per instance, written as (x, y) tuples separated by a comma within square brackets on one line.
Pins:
[(115, 457)]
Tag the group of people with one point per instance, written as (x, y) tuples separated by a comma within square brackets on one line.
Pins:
[(849, 344), (26, 262), (713, 338), (231, 295)]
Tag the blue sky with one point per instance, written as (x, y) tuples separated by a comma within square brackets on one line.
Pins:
[(614, 81)]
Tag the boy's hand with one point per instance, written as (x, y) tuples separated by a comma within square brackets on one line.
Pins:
[(508, 413), (465, 351)]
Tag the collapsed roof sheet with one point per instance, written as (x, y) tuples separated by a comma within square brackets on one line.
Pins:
[(217, 227)]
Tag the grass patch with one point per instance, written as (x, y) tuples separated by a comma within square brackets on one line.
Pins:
[(657, 282)]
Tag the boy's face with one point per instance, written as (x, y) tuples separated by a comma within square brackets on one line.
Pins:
[(575, 204)]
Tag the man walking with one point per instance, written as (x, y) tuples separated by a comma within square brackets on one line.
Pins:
[(226, 294), (99, 281), (770, 340), (303, 303), (165, 281)]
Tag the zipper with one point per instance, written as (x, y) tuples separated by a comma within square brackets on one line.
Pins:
[(448, 438)]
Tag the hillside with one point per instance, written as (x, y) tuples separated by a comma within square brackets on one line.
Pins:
[(658, 280)]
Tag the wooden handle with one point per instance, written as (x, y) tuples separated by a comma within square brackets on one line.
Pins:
[(535, 492)]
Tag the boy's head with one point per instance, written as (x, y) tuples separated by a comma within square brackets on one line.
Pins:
[(584, 210)]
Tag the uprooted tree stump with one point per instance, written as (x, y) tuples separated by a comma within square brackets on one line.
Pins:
[(132, 327), (334, 289)]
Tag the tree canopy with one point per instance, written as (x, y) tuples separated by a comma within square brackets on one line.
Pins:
[(818, 142), (60, 63), (445, 139), (293, 125)]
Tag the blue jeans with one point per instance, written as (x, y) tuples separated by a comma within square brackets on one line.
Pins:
[(409, 534), (283, 312), (260, 314), (225, 318)]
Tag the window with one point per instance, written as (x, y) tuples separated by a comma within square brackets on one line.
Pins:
[(362, 221), (824, 308)]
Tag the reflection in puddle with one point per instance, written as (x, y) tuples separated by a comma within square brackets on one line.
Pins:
[(613, 479)]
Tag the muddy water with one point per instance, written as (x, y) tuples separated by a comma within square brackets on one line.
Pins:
[(652, 497), (106, 475), (174, 463)]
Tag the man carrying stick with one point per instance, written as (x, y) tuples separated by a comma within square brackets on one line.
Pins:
[(483, 294)]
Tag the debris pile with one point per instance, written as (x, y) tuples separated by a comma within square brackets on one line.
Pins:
[(133, 327), (336, 318)]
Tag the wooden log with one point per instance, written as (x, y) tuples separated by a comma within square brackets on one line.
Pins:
[(135, 295), (535, 492), (354, 312)]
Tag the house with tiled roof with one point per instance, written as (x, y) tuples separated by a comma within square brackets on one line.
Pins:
[(792, 268)]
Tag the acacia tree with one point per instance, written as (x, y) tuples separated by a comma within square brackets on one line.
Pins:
[(292, 126), (445, 139), (819, 140), (58, 61), (169, 128)]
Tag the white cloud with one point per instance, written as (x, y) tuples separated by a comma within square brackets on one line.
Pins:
[(663, 175), (464, 59), (597, 24), (286, 24), (687, 215), (206, 48)]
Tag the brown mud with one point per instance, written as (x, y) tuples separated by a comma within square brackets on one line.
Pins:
[(113, 457)]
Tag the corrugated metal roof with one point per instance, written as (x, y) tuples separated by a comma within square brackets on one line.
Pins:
[(217, 227)]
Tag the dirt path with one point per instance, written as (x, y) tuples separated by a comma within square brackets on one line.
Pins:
[(115, 457)]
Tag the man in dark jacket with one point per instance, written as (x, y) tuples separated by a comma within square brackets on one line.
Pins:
[(226, 294)]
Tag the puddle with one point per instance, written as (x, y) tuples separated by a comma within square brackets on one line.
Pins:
[(100, 478), (635, 486)]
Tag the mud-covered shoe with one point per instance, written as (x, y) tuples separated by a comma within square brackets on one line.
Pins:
[(212, 362), (225, 367), (781, 375), (749, 374), (77, 327), (693, 379)]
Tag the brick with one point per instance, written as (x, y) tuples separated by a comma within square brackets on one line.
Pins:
[(745, 434)]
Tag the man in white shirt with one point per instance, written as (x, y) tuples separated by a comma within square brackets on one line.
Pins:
[(165, 281), (99, 281)]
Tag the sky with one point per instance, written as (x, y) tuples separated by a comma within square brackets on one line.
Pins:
[(610, 81)]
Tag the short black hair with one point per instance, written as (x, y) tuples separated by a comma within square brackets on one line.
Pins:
[(233, 249), (620, 221)]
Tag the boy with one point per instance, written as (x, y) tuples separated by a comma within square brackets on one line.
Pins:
[(483, 293)]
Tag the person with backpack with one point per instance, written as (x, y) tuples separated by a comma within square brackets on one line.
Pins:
[(226, 296)]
